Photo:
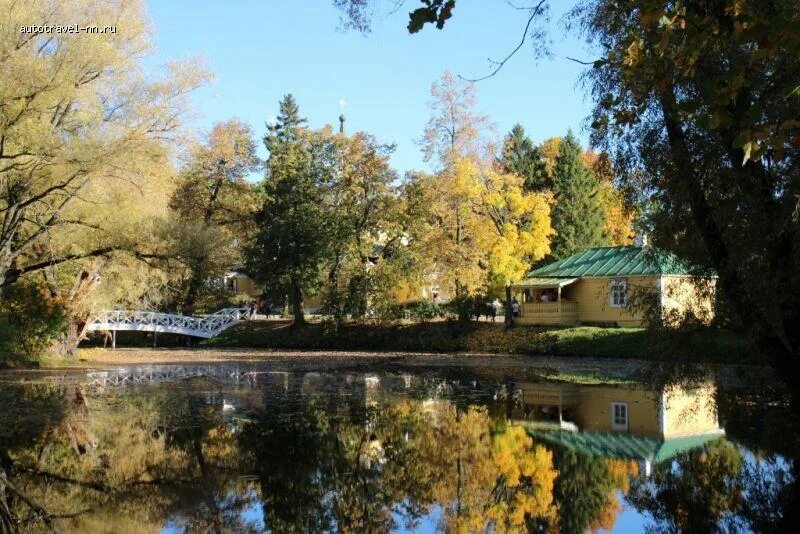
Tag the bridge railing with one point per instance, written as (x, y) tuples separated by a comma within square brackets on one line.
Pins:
[(148, 321)]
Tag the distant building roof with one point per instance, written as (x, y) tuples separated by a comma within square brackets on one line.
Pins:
[(614, 261)]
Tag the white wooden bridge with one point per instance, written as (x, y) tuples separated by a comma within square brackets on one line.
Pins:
[(149, 374), (206, 326)]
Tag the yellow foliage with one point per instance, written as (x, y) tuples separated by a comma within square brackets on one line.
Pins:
[(494, 479), (619, 219), (483, 227), (621, 472)]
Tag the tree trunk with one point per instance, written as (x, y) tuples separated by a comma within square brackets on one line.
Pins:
[(297, 302), (334, 297), (780, 345), (509, 318), (195, 284), (75, 332)]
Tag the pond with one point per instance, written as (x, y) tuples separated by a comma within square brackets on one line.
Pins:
[(310, 447)]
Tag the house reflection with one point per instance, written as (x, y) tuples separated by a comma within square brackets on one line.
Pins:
[(626, 421)]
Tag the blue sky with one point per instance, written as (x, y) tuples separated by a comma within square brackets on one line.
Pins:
[(260, 50)]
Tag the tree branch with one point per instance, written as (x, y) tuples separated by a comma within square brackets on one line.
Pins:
[(534, 11)]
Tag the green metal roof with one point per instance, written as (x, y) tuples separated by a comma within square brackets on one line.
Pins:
[(614, 261), (545, 282)]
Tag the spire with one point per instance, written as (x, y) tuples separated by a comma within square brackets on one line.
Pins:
[(342, 104)]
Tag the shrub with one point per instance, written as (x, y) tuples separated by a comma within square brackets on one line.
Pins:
[(465, 308), (30, 320), (417, 310)]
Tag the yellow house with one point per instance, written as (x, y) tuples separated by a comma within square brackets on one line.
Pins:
[(242, 285), (613, 286), (630, 421), (238, 283)]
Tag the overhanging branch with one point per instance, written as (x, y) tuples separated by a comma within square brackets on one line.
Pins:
[(534, 12)]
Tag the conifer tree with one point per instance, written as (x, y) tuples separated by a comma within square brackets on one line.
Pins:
[(578, 217), (290, 243), (521, 157)]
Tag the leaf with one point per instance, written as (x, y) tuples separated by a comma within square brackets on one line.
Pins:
[(747, 148), (741, 139), (419, 17)]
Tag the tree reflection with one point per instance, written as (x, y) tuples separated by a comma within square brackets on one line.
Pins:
[(586, 489), (362, 469), (309, 456), (695, 491), (118, 458)]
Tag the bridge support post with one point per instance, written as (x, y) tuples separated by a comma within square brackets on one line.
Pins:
[(155, 338), (114, 339)]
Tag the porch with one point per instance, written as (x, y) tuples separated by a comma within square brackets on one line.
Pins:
[(561, 313), (546, 301)]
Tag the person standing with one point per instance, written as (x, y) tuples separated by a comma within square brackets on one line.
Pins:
[(496, 305)]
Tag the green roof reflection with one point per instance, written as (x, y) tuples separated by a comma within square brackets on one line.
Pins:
[(621, 446)]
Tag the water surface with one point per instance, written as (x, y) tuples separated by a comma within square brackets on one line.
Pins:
[(308, 448)]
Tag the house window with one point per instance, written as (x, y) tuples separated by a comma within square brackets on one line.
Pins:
[(619, 290), (619, 416)]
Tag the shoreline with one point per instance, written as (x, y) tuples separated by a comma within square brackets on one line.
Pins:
[(553, 367)]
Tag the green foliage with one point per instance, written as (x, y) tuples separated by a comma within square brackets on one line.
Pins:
[(580, 489), (213, 207), (696, 497), (417, 310), (693, 102), (521, 157), (292, 239), (30, 321), (578, 216), (701, 344), (434, 12)]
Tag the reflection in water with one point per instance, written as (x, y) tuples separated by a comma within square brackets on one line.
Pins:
[(231, 448)]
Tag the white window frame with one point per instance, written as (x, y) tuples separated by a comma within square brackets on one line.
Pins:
[(614, 422), (618, 287)]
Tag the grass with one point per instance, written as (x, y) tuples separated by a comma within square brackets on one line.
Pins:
[(697, 345)]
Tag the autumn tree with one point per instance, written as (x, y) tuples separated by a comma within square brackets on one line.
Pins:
[(578, 216), (85, 145), (482, 225), (454, 132), (215, 202), (77, 115), (620, 214), (516, 228), (698, 103), (367, 226)]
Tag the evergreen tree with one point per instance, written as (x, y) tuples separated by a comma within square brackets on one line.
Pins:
[(523, 158), (578, 216), (290, 243)]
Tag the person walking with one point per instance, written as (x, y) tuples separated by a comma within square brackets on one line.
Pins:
[(496, 305)]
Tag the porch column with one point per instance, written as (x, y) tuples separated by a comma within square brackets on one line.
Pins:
[(558, 299)]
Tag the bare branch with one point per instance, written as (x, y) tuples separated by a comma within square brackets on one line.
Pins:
[(534, 12), (581, 62)]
